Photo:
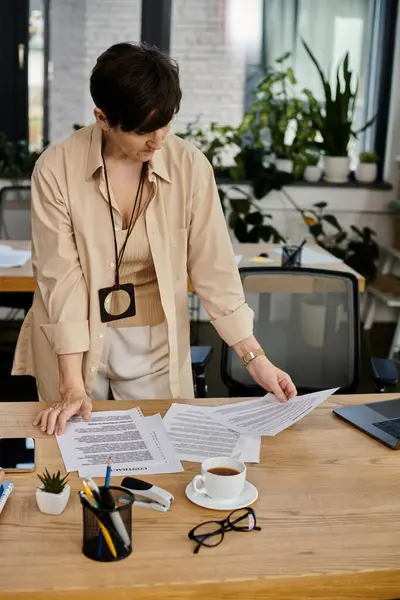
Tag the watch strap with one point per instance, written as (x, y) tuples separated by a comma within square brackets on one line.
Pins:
[(249, 356)]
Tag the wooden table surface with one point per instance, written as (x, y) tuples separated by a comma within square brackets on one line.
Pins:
[(20, 279), (329, 504)]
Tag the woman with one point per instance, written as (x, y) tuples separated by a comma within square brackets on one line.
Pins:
[(122, 213)]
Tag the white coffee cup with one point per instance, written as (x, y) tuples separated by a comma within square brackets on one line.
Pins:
[(219, 486)]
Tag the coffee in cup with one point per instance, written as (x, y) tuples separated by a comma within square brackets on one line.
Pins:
[(221, 478)]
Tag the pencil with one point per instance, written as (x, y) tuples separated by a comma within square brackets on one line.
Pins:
[(108, 472), (102, 528)]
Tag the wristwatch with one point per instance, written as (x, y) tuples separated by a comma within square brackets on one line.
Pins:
[(249, 356)]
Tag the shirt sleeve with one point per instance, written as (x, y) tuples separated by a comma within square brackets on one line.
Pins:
[(212, 266), (56, 266)]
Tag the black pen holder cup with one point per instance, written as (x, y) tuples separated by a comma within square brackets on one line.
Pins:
[(291, 256), (115, 520)]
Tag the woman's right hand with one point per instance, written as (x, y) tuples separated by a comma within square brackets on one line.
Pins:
[(73, 402)]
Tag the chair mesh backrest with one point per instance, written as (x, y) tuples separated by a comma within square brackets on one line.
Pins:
[(308, 323), (15, 212)]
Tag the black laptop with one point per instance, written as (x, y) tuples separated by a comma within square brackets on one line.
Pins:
[(380, 420)]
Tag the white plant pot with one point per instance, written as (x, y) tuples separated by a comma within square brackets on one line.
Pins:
[(284, 164), (52, 504), (336, 169), (312, 173), (366, 172)]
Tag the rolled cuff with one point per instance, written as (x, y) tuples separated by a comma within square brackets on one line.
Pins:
[(236, 326), (67, 338)]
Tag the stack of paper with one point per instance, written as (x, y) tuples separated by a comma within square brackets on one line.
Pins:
[(136, 444), (13, 258), (267, 416), (195, 436)]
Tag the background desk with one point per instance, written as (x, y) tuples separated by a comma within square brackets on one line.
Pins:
[(20, 279), (329, 507)]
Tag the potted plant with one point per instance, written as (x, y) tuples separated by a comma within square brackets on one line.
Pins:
[(248, 220), (312, 172), (53, 494), (334, 120), (367, 169), (16, 159), (276, 117)]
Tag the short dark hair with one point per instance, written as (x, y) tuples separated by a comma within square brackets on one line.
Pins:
[(136, 86)]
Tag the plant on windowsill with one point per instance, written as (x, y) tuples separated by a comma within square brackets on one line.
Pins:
[(367, 168), (53, 495), (276, 121), (312, 172), (334, 120)]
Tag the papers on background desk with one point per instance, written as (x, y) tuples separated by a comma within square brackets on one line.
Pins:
[(135, 443), (196, 436), (268, 416), (238, 258), (313, 257), (13, 258)]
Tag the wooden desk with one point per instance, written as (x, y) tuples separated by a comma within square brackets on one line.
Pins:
[(329, 510), (17, 279), (21, 279)]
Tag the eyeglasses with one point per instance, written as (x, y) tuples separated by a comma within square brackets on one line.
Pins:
[(212, 533)]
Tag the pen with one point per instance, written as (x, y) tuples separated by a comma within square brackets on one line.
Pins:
[(95, 490), (108, 472), (107, 484), (103, 530), (292, 257), (116, 518), (89, 494)]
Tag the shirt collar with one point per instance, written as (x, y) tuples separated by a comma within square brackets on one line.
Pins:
[(95, 161)]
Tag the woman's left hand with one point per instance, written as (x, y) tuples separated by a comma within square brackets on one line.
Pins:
[(271, 378)]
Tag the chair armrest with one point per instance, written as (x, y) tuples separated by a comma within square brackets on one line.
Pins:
[(384, 372), (200, 357)]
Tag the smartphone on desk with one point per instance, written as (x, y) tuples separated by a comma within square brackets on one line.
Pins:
[(17, 455)]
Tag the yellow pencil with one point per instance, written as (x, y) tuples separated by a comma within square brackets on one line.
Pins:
[(90, 498), (89, 494)]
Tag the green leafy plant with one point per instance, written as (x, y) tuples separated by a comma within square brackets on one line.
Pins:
[(278, 113), (249, 222), (357, 248), (334, 120), (311, 159), (16, 160), (211, 140), (368, 157), (53, 484)]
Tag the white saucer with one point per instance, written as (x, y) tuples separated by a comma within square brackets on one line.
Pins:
[(247, 497)]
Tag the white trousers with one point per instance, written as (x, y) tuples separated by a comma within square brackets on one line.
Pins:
[(134, 364)]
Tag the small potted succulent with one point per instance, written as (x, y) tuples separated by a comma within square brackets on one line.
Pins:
[(53, 495), (367, 169), (312, 172)]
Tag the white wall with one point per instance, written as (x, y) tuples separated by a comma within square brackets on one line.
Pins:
[(211, 60), (80, 31)]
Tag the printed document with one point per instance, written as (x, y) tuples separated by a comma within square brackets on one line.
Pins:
[(135, 443), (195, 436), (13, 258), (266, 415)]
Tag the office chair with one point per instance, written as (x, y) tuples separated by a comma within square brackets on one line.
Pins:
[(15, 197), (307, 321), (200, 357)]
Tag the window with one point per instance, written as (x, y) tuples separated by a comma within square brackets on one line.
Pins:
[(330, 29), (36, 74)]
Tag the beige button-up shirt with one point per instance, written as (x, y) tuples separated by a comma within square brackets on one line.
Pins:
[(73, 257)]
